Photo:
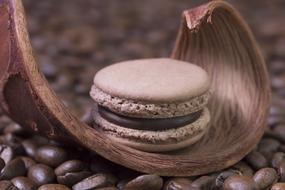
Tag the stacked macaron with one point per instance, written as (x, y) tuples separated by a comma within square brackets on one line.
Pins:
[(153, 105)]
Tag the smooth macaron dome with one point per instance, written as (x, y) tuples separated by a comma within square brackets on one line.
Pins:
[(152, 104)]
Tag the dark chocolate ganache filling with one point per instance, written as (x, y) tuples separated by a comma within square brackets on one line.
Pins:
[(148, 124)]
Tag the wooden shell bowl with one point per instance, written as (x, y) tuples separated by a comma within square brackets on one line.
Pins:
[(213, 36)]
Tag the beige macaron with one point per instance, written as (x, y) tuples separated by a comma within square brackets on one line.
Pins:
[(154, 105)]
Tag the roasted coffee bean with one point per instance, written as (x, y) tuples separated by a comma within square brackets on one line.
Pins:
[(71, 172), (121, 184), (277, 158), (276, 109), (177, 183), (145, 182), (14, 143), (278, 186), (256, 160), (70, 179), (95, 181), (279, 132), (24, 183), (30, 146), (6, 153), (70, 166), (278, 81), (41, 174), (221, 177), (7, 185), (48, 69), (2, 164), (239, 183), (274, 120), (17, 130), (13, 169), (28, 162), (265, 177), (243, 168), (268, 145), (281, 171), (4, 121), (51, 155), (53, 187), (107, 188), (204, 182), (12, 128)]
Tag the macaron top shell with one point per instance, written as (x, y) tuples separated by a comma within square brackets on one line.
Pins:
[(160, 80)]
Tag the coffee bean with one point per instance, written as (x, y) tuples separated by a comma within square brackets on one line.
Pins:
[(14, 143), (276, 110), (279, 132), (265, 177), (239, 183), (220, 179), (4, 121), (277, 158), (53, 187), (71, 172), (204, 182), (17, 130), (47, 68), (7, 185), (2, 164), (41, 174), (268, 145), (281, 171), (278, 81), (107, 188), (256, 160), (95, 181), (121, 184), (70, 179), (24, 183), (275, 120), (278, 186), (145, 182), (51, 155), (70, 166), (6, 153), (30, 146), (177, 183), (243, 168), (28, 162), (13, 169)]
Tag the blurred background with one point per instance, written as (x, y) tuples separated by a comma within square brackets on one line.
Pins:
[(75, 38)]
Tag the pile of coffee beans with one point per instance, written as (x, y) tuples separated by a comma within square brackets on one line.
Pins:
[(29, 161), (75, 38)]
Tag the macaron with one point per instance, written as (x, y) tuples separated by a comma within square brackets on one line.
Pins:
[(154, 105)]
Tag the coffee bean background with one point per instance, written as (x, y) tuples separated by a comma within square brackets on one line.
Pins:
[(73, 39)]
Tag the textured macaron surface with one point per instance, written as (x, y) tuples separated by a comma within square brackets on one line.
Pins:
[(160, 80)]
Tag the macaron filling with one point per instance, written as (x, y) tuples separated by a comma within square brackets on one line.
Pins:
[(150, 124)]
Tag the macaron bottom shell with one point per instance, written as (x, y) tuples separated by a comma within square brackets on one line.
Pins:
[(155, 141)]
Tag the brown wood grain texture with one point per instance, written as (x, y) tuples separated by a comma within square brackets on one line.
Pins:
[(213, 36)]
